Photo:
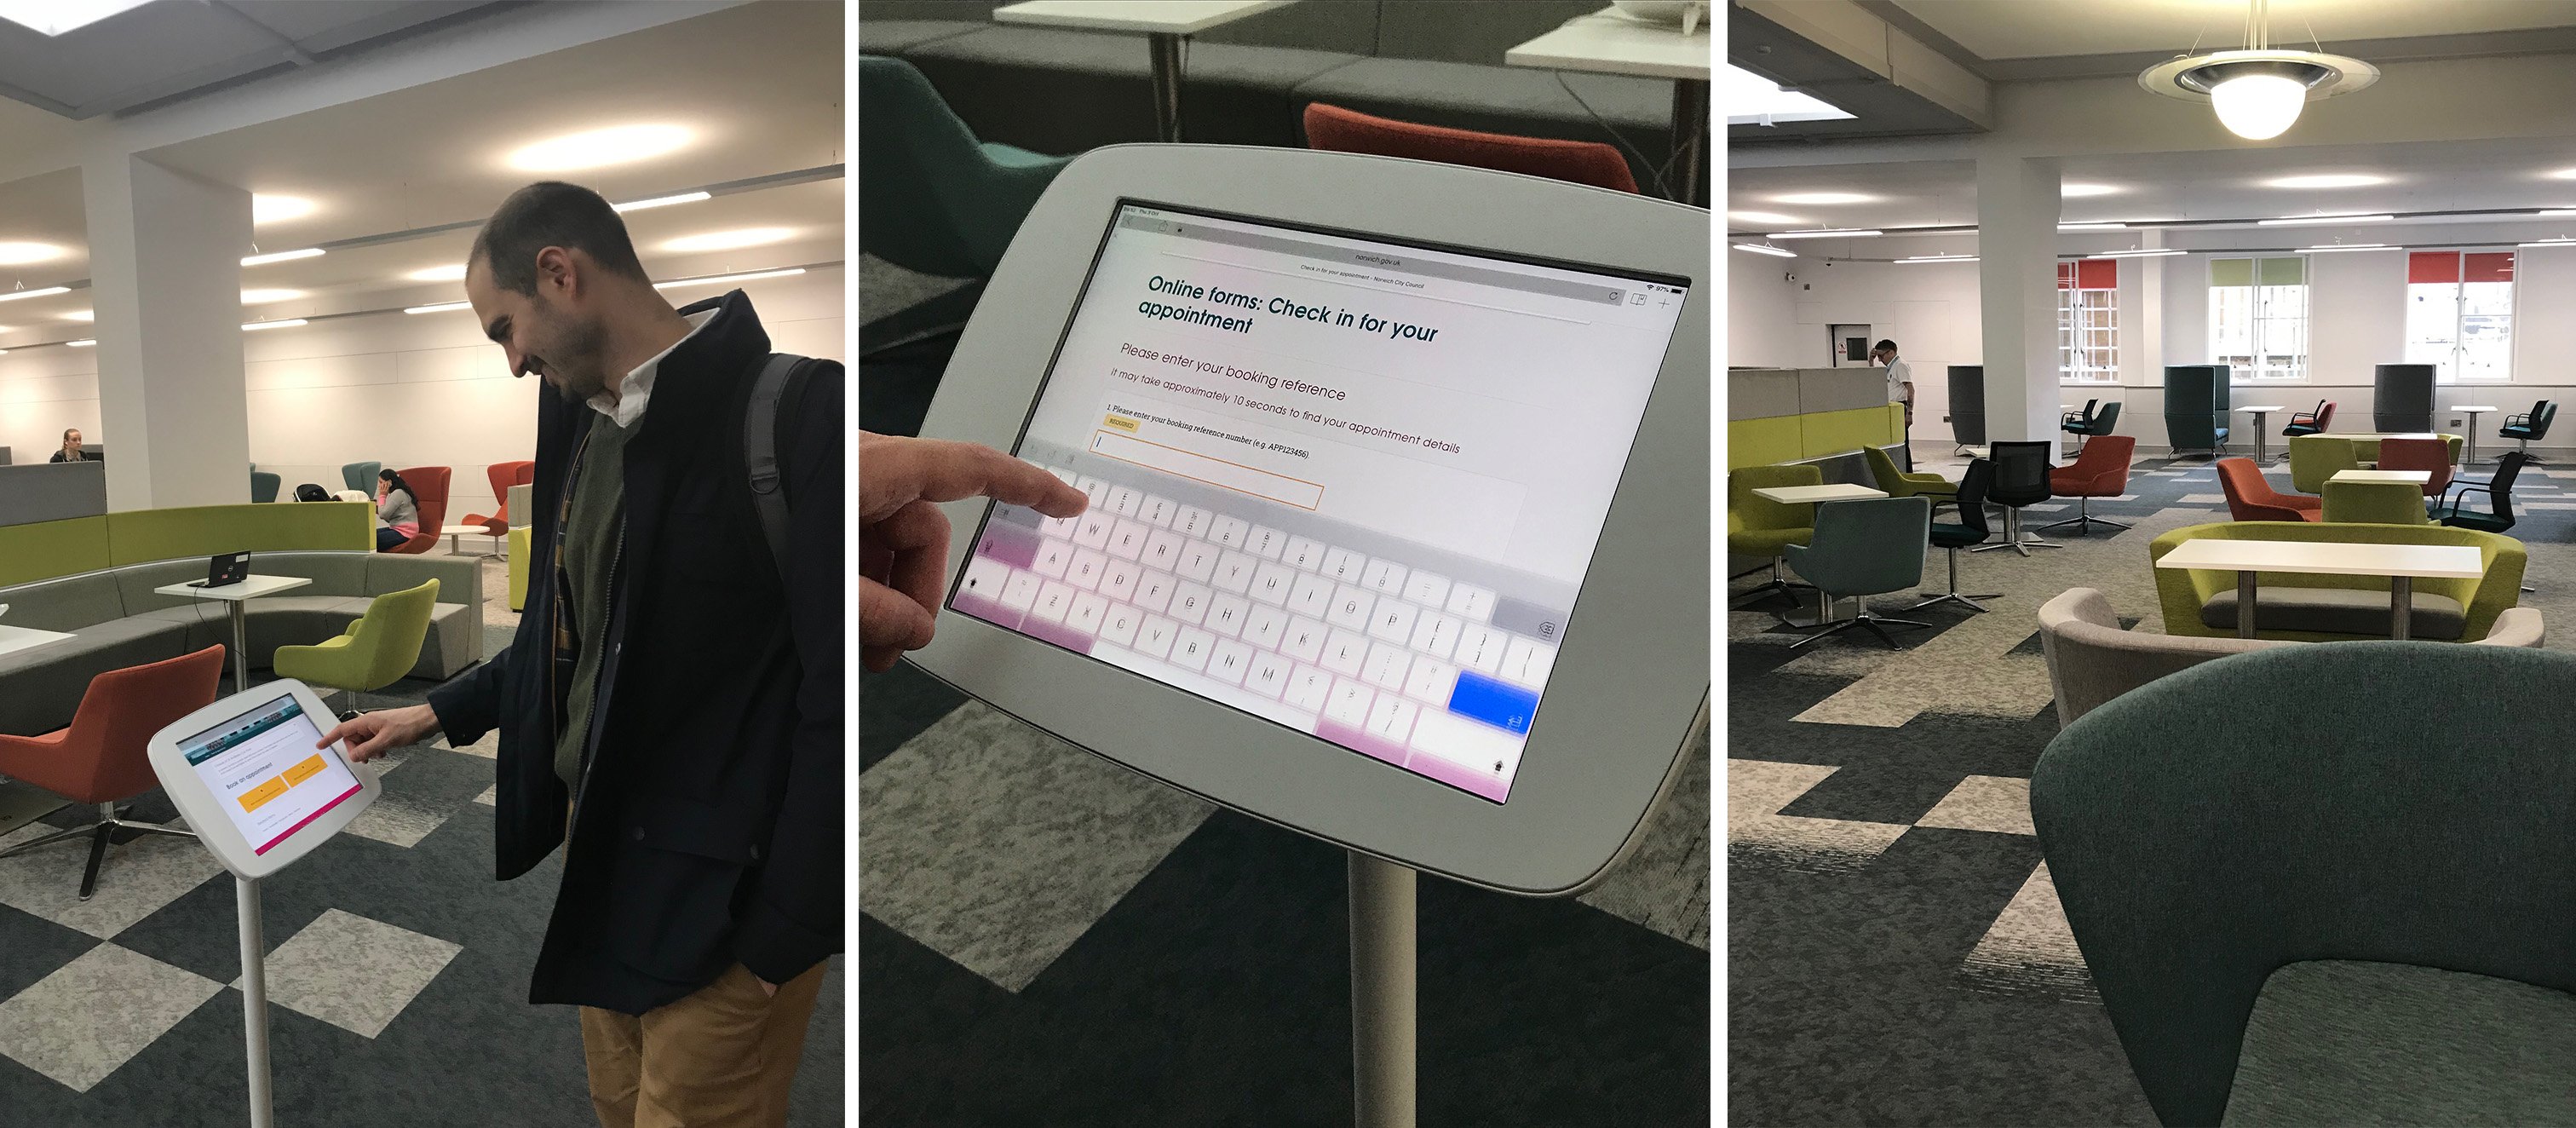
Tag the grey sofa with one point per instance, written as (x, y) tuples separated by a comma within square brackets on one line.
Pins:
[(2091, 660), (118, 621)]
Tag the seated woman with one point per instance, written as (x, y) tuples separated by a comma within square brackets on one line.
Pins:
[(71, 451), (398, 508)]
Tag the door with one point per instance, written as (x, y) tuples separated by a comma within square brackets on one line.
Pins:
[(1850, 345)]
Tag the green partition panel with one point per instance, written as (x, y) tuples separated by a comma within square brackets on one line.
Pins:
[(1795, 438), (141, 535), (1762, 442), (46, 549)]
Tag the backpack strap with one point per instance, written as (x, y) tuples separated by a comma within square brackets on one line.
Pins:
[(763, 449)]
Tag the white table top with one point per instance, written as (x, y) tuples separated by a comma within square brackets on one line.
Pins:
[(15, 639), (1610, 42), (251, 587), (1175, 17), (2331, 558), (2474, 409), (467, 530), (2379, 435), (2398, 477), (1798, 495), (2263, 409)]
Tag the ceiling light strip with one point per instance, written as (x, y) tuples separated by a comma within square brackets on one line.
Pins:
[(282, 256), (2323, 220), (1759, 249), (1827, 233), (40, 292)]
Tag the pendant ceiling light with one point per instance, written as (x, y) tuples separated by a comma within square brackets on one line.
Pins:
[(2258, 91)]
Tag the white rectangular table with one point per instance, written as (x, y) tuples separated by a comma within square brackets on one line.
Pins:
[(233, 596), (456, 535), (1612, 42), (1165, 23), (2403, 564), (1802, 495), (15, 639), (2473, 411), (2262, 433), (2416, 478)]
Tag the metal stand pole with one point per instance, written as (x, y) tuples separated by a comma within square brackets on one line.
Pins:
[(1382, 993), (1167, 85), (254, 1001), (241, 646)]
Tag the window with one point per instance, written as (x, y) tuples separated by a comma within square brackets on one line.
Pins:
[(2258, 316), (2088, 321), (2459, 314)]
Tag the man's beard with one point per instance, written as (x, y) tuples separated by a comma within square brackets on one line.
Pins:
[(579, 362)]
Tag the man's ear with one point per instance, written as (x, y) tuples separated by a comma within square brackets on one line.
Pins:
[(557, 271)]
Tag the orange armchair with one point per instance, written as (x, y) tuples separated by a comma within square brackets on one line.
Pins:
[(2430, 455), (100, 759), (1580, 162), (503, 475), (2102, 470), (2250, 497), (429, 484)]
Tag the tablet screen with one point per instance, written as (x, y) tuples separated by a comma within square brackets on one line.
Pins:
[(263, 767), (1342, 482)]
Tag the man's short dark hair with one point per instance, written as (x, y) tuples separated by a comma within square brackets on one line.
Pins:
[(551, 213), (1883, 346)]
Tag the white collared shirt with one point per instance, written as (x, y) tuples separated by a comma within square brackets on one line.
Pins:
[(637, 388), (1897, 377)]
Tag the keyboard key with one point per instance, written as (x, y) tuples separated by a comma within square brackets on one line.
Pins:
[(1386, 666), (1437, 634), (1431, 681), (1088, 610), (1439, 732), (1053, 556), (1349, 702), (1163, 549), (1522, 617), (1059, 526), (1154, 639), (1123, 500), (1344, 565), (1198, 561), (1127, 539), (1385, 577), (1190, 601), (1467, 601), (1271, 583), (1392, 717), (1092, 488), (1426, 589), (1230, 531), (1192, 521), (1265, 626), (1091, 530), (1055, 600), (1311, 595), (1157, 511), (1303, 642), (1066, 476), (1154, 592), (1269, 674), (1345, 652), (1266, 542), (1304, 553), (1190, 648), (1086, 569), (1392, 621), (1351, 607), (1119, 582), (1118, 628), (1307, 689), (1229, 662), (1493, 702), (984, 578), (1226, 613), (1527, 661), (1480, 648), (1234, 571), (1020, 592)]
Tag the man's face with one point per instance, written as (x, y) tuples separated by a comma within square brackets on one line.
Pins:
[(556, 332)]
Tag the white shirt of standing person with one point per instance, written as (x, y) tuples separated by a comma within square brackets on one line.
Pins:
[(1898, 375)]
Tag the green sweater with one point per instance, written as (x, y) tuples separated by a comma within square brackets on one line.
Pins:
[(594, 529)]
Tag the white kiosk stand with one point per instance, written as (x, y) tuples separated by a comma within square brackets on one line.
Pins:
[(249, 776), (1381, 454)]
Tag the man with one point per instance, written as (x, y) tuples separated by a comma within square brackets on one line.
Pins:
[(1900, 382), (903, 537), (71, 451), (671, 708)]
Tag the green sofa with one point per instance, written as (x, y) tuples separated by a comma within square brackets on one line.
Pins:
[(2202, 603), (2315, 458), (47, 549)]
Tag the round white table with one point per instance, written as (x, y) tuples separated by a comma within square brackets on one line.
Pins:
[(2473, 412), (2262, 433)]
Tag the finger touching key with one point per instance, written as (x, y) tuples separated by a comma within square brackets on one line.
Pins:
[(903, 535)]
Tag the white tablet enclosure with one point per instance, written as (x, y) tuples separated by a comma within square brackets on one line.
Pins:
[(1341, 254), (246, 776)]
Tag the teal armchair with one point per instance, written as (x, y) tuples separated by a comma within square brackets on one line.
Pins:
[(1861, 549)]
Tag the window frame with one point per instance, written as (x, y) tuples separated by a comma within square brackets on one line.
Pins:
[(2451, 370), (2079, 343), (2259, 319)]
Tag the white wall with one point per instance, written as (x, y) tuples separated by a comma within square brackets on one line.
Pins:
[(1930, 311), (422, 390), (1761, 315)]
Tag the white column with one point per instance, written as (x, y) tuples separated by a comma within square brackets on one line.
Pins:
[(2017, 209), (165, 275)]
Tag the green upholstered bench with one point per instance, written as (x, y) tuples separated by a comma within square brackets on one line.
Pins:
[(2307, 607)]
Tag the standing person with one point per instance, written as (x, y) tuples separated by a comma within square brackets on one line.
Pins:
[(671, 708), (398, 508), (1900, 383), (71, 451)]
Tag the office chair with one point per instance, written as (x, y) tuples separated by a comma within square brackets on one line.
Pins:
[(2021, 478)]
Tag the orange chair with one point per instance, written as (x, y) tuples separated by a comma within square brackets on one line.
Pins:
[(2430, 455), (1582, 162), (429, 485), (2102, 470), (504, 475), (2250, 496), (100, 759)]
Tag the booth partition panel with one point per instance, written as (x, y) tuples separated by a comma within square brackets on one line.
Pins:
[(2196, 406), (2402, 398), (1968, 404)]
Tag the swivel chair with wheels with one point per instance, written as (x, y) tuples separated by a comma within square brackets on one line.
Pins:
[(1971, 530), (2530, 427)]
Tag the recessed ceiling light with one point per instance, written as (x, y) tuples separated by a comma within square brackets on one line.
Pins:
[(1824, 198), (2550, 243), (282, 256), (258, 325), (270, 209), (39, 292), (713, 279), (2159, 252), (598, 148), (2092, 227), (54, 17), (1936, 258), (81, 315), (83, 343), (2343, 247), (730, 240), (661, 201), (20, 254), (263, 297), (2080, 190), (440, 307), (1767, 219), (2563, 174), (2314, 220), (1759, 249), (1825, 233), (452, 272), (2326, 180)]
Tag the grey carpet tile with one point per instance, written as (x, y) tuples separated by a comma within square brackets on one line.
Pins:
[(92, 1016), (22, 803), (2030, 950), (352, 972)]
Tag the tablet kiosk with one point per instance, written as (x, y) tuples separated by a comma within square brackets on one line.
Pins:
[(1400, 490), (246, 775)]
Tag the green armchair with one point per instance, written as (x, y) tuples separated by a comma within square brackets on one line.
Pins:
[(375, 652), (2374, 503), (2201, 603), (1762, 528), (1898, 483)]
